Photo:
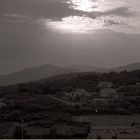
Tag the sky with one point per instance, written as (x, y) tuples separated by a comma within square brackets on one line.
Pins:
[(104, 33)]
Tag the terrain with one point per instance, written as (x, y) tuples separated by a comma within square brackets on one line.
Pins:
[(48, 70), (42, 105), (34, 73)]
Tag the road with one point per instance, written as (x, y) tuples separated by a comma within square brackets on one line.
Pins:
[(62, 101)]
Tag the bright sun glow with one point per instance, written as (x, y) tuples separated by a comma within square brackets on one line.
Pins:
[(84, 24), (94, 5), (75, 24), (83, 5)]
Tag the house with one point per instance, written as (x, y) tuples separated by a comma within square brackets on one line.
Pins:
[(130, 90), (109, 132), (100, 102), (104, 84), (59, 129), (70, 129), (108, 92), (78, 93)]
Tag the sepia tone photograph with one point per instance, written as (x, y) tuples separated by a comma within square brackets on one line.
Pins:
[(69, 69)]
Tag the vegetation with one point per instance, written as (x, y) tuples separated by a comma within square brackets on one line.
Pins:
[(31, 98), (32, 101)]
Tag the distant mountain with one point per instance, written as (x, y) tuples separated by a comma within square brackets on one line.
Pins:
[(35, 73), (90, 68), (45, 71), (87, 68), (129, 67)]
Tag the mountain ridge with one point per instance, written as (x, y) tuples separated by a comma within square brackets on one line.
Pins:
[(33, 73), (49, 70)]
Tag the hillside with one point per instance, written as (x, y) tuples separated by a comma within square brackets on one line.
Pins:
[(45, 71), (88, 68), (57, 86), (129, 67), (36, 73)]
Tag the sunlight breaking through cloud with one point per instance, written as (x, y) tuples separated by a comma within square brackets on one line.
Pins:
[(120, 16), (95, 5), (82, 25), (75, 24), (109, 17)]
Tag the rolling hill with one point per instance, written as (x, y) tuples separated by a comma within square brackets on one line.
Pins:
[(89, 68), (129, 67), (48, 70), (31, 74)]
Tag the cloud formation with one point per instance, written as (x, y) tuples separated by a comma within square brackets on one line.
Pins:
[(115, 15)]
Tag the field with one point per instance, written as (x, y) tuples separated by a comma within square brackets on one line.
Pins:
[(109, 120)]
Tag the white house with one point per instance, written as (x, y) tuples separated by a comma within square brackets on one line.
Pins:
[(100, 101), (108, 92), (78, 93), (104, 84)]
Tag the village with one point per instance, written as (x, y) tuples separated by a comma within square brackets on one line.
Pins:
[(91, 116), (102, 99), (98, 102)]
